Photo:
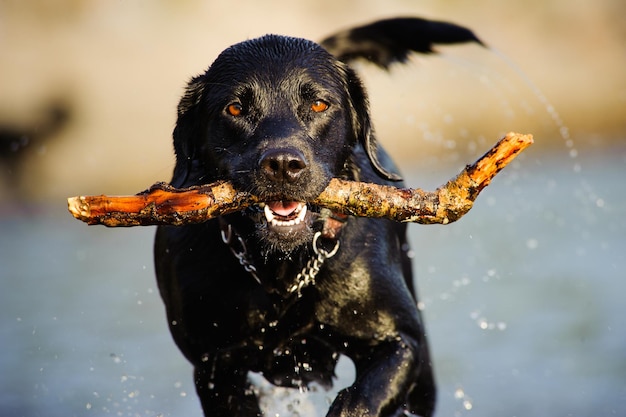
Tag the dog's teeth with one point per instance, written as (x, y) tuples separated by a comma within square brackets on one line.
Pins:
[(302, 213), (271, 217), (268, 214)]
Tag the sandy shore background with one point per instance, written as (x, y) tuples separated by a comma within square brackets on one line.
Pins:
[(118, 68)]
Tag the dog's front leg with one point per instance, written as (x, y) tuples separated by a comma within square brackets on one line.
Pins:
[(384, 376), (225, 392)]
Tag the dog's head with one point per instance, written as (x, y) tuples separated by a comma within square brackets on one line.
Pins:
[(278, 117)]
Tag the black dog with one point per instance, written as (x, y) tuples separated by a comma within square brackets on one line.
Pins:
[(285, 287)]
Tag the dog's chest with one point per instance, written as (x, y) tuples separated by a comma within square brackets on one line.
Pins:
[(274, 320), (290, 349)]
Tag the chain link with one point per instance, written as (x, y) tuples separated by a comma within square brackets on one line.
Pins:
[(242, 255), (309, 272), (304, 278)]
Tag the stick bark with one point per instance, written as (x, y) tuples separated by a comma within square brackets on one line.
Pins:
[(164, 204)]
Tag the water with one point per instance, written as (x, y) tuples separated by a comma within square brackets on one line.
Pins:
[(523, 299)]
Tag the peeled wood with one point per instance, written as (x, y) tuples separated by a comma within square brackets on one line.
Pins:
[(164, 204)]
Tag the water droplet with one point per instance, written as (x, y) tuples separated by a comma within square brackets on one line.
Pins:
[(467, 404), (532, 243)]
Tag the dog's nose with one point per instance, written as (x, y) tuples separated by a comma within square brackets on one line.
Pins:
[(283, 164)]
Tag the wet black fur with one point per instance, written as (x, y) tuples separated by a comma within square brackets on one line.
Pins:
[(363, 302)]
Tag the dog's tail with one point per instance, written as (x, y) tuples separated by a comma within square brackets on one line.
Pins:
[(392, 40)]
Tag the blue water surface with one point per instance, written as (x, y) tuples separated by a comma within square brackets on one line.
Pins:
[(523, 300)]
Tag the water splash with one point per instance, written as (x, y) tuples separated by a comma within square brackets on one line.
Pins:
[(563, 130), (484, 324), (495, 80), (558, 121), (466, 401)]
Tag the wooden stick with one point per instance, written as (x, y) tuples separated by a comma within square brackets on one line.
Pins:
[(164, 204)]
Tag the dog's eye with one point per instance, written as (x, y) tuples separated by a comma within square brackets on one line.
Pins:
[(319, 106), (235, 109)]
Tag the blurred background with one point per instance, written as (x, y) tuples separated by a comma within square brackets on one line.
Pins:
[(523, 297)]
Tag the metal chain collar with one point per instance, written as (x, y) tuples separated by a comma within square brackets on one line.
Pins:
[(304, 278), (313, 265), (241, 255)]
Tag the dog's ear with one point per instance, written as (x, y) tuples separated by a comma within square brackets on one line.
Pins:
[(362, 125), (188, 128), (387, 41)]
